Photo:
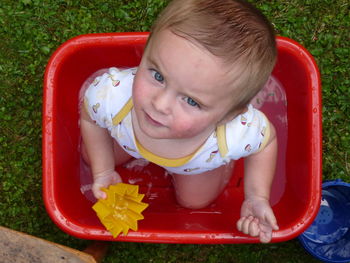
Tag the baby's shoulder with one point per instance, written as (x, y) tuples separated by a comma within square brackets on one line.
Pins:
[(248, 132), (113, 84), (251, 118), (114, 77), (108, 94)]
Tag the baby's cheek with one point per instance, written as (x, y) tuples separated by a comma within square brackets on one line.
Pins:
[(138, 86), (185, 129), (138, 98), (136, 91)]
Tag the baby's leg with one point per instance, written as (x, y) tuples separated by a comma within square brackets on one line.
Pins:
[(199, 190), (120, 155)]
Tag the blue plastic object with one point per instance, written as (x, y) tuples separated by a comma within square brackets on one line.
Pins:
[(328, 237)]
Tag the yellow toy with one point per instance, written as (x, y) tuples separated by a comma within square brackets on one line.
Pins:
[(122, 208)]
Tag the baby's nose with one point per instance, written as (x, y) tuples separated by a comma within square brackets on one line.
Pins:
[(163, 101)]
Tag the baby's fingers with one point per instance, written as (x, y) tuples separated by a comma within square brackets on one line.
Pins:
[(265, 237), (249, 226), (265, 234), (254, 229), (241, 222), (98, 193), (270, 219)]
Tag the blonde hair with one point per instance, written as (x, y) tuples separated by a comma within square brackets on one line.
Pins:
[(232, 30)]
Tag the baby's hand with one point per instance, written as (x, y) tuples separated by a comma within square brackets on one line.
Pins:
[(257, 219), (104, 180)]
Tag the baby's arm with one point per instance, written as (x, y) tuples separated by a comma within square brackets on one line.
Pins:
[(99, 148), (257, 217)]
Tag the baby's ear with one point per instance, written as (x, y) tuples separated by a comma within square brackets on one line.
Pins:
[(231, 115)]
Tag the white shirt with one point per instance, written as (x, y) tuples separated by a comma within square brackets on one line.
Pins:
[(108, 100)]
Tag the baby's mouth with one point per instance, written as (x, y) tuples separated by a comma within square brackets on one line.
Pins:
[(153, 121)]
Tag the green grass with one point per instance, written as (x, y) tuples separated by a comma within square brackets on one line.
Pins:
[(30, 30)]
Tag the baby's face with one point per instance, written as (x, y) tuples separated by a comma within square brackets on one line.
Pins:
[(180, 89)]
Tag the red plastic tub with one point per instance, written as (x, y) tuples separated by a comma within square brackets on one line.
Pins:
[(296, 190)]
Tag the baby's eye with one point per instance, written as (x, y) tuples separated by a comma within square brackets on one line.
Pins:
[(157, 76), (191, 102)]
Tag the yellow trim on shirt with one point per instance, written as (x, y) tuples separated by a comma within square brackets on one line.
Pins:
[(221, 139), (143, 151), (86, 105), (160, 160), (123, 112)]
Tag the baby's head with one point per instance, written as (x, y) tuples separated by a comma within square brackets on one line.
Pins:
[(232, 30)]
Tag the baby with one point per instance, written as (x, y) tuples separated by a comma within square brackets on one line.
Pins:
[(187, 108)]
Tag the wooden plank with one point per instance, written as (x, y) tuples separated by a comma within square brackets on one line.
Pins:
[(18, 247)]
